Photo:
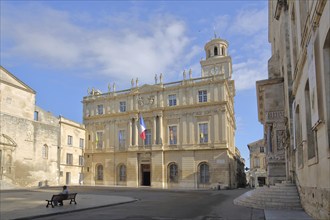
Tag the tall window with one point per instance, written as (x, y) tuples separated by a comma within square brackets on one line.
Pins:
[(203, 133), (202, 96), (172, 134), (100, 109), (172, 100), (215, 51), (99, 140), (310, 132), (69, 140), (204, 175), (81, 143), (122, 173), (122, 106), (173, 173), (99, 172), (122, 139), (45, 151), (147, 141), (69, 159), (298, 136), (81, 161), (256, 162)]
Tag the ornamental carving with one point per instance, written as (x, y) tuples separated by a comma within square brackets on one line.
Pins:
[(150, 100)]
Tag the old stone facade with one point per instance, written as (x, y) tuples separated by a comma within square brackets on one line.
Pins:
[(190, 130), (257, 173), (299, 33), (30, 143)]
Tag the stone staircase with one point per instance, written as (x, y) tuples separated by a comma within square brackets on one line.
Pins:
[(280, 196)]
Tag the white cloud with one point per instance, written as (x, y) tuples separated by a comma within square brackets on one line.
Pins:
[(247, 73), (250, 21), (130, 49)]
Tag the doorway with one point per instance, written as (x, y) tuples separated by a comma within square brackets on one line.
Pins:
[(261, 181), (68, 178), (145, 174)]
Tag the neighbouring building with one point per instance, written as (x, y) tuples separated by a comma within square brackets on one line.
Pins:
[(297, 123), (257, 173), (190, 130), (31, 144)]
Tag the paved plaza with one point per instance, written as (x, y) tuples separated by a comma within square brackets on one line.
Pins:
[(31, 204)]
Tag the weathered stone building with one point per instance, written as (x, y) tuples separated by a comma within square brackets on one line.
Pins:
[(30, 138), (257, 173), (190, 135), (299, 72)]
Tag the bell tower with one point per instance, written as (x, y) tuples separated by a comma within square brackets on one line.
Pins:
[(217, 61)]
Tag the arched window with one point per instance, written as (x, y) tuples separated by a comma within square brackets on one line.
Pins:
[(204, 175), (173, 176), (215, 51), (44, 151), (122, 173), (99, 172)]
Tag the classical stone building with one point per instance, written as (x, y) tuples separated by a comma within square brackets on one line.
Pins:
[(257, 173), (31, 145), (299, 72), (190, 130)]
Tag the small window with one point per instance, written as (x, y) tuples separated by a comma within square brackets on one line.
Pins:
[(81, 143), (262, 149), (122, 106), (81, 161), (173, 134), (202, 96), (69, 159), (203, 133), (172, 100), (69, 140), (45, 151), (36, 116), (100, 109)]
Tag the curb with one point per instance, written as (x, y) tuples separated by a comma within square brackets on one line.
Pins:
[(77, 210)]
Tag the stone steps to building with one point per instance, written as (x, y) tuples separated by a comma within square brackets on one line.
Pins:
[(269, 205), (280, 196)]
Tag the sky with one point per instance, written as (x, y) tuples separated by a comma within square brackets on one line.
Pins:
[(62, 48)]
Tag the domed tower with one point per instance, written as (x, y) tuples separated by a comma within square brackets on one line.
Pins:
[(217, 61)]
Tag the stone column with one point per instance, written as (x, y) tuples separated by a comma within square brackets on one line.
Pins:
[(154, 131), (136, 132), (130, 133), (161, 129)]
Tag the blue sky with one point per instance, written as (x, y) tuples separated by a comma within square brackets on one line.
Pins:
[(62, 48)]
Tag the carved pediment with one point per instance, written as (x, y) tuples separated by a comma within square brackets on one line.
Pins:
[(7, 142), (146, 88)]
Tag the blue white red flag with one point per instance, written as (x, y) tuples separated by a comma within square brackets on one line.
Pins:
[(142, 128)]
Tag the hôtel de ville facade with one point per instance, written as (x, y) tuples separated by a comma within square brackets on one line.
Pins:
[(190, 130)]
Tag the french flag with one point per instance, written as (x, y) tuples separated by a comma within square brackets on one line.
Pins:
[(142, 128)]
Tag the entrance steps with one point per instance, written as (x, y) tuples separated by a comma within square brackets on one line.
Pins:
[(279, 196)]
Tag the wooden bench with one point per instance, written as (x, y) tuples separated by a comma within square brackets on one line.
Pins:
[(61, 197)]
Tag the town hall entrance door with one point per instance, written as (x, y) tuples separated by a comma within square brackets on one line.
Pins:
[(145, 174)]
